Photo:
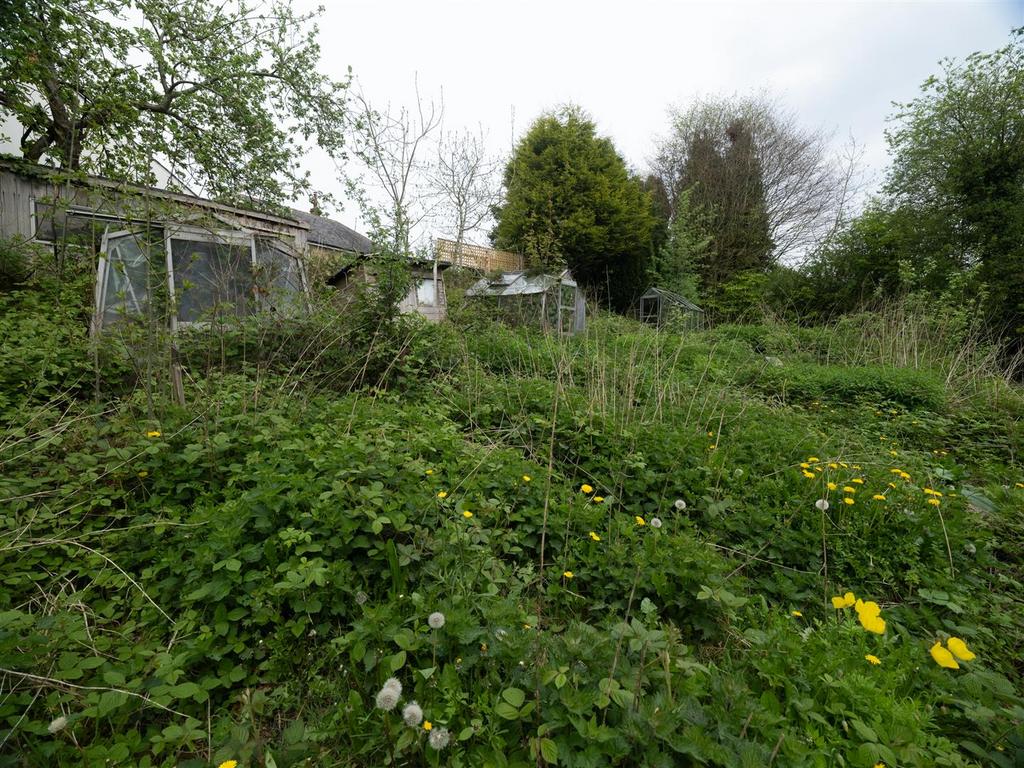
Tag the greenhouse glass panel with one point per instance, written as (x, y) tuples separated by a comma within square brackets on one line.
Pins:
[(211, 276), (124, 277)]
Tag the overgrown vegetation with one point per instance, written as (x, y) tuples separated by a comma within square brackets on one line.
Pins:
[(622, 531)]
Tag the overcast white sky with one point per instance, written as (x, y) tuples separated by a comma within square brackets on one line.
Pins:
[(500, 64), (839, 64)]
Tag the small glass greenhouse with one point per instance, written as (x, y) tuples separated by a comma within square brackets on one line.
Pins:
[(665, 309), (550, 302)]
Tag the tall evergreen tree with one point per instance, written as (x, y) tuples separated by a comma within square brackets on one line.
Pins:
[(569, 199)]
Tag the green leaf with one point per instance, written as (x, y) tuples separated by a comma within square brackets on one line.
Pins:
[(549, 751), (514, 696)]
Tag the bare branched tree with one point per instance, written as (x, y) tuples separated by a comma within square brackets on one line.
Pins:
[(808, 186), (465, 181), (393, 144)]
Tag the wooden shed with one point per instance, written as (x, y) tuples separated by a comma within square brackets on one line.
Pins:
[(159, 254)]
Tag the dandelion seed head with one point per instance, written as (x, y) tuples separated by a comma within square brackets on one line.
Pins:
[(439, 738), (655, 522), (412, 714), (436, 620), (361, 597), (393, 684), (821, 504), (387, 698), (680, 505)]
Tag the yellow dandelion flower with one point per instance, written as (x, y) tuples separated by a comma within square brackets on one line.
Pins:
[(844, 465), (442, 494), (878, 765), (905, 475), (711, 434), (427, 725), (895, 471), (153, 433), (640, 520), (817, 468), (894, 453), (594, 536), (857, 481), (959, 649), (934, 502), (806, 473), (848, 501), (892, 485), (713, 446), (813, 459), (430, 471), (855, 466), (567, 574), (849, 489), (873, 659), (943, 657), (1018, 485), (797, 614), (527, 478), (832, 486), (833, 465), (586, 488), (930, 492), (878, 497), (143, 473), (805, 465), (598, 499), (228, 764), (467, 514)]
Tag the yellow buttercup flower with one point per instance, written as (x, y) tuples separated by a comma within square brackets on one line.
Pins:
[(934, 502), (427, 725), (873, 659), (797, 614), (598, 499), (844, 601), (467, 514), (526, 478), (870, 616), (943, 657), (594, 536), (153, 433), (586, 488), (228, 764), (567, 574), (959, 649), (442, 494), (430, 471), (640, 520)]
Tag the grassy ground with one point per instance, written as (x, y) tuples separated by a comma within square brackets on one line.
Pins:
[(625, 533)]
